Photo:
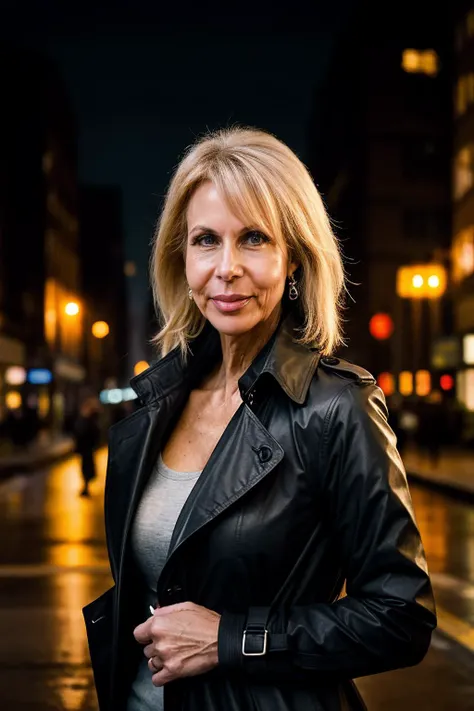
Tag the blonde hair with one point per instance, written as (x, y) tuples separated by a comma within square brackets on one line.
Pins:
[(264, 183)]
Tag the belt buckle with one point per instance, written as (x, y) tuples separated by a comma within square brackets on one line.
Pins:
[(264, 646)]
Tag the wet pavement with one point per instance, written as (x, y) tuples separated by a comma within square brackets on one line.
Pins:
[(53, 561)]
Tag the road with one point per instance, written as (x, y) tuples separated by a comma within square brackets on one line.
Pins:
[(53, 561)]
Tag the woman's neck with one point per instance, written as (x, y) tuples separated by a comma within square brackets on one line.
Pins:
[(238, 352)]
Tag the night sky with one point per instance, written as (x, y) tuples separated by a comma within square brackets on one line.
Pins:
[(144, 80)]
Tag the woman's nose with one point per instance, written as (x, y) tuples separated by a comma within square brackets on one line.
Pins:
[(229, 264)]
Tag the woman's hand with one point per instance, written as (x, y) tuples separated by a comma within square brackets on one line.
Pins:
[(181, 640)]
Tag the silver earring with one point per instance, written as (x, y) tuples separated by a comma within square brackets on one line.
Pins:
[(190, 294), (293, 292)]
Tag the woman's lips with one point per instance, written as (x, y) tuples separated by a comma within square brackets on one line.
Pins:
[(229, 306)]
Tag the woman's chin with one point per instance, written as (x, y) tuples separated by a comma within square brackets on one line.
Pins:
[(233, 324)]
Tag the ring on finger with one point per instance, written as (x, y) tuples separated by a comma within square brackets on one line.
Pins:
[(152, 665)]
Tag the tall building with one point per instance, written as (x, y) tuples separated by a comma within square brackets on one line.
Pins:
[(40, 302), (380, 156), (462, 248), (102, 256)]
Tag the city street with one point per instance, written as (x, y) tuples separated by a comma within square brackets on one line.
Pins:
[(53, 561)]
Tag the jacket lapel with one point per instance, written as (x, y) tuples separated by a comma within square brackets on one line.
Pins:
[(245, 454), (134, 445)]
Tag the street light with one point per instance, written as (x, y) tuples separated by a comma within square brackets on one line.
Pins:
[(140, 367), (71, 309), (421, 281), (415, 283), (100, 329)]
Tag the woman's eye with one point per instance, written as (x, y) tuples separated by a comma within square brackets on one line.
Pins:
[(205, 240), (255, 238)]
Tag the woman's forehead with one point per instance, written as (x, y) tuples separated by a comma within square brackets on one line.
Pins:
[(244, 209)]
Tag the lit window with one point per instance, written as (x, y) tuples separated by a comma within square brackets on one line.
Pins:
[(386, 382), (468, 349), (470, 88), (470, 23), (462, 255), (464, 94), (465, 389), (461, 96), (13, 400), (405, 383), (463, 171), (415, 61), (423, 383)]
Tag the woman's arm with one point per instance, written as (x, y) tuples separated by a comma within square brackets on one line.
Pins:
[(387, 618)]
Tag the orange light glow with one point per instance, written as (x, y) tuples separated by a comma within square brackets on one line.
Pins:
[(386, 382), (423, 383), (140, 367), (405, 383), (71, 309), (13, 400), (381, 326), (421, 281), (100, 329)]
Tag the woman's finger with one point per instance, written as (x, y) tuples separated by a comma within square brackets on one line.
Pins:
[(149, 651), (155, 665), (142, 632), (161, 678)]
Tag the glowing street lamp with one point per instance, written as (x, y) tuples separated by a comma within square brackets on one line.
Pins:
[(100, 329), (140, 367), (71, 309), (421, 281)]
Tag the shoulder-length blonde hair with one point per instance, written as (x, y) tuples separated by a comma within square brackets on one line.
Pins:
[(266, 184)]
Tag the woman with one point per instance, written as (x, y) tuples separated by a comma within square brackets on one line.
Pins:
[(259, 478)]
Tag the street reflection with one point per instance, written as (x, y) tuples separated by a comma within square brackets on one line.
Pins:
[(447, 529), (73, 524)]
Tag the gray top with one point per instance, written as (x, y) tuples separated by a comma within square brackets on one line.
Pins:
[(163, 498)]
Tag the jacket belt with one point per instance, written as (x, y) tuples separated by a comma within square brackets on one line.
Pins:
[(256, 641)]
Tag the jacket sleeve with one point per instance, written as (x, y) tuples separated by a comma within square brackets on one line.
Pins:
[(386, 619)]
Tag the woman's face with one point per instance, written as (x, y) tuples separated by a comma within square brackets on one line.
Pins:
[(236, 272)]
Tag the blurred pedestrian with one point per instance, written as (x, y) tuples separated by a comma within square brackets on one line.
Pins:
[(87, 434), (259, 474)]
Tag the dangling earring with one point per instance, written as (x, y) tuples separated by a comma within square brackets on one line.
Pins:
[(293, 292), (190, 294)]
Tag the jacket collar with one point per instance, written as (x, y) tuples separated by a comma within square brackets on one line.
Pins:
[(291, 364)]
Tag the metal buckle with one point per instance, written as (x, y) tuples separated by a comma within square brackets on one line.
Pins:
[(255, 654)]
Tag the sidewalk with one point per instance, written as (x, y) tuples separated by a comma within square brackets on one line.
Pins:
[(43, 451), (454, 471)]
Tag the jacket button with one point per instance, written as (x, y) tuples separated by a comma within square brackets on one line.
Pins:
[(330, 360), (265, 454), (174, 591)]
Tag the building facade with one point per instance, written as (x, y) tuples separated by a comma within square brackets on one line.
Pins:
[(40, 300), (380, 157), (462, 248), (103, 271)]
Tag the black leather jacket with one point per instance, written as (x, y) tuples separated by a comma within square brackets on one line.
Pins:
[(304, 492)]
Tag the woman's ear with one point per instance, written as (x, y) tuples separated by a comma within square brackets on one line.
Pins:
[(292, 268)]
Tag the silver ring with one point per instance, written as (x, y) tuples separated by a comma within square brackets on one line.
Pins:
[(152, 664)]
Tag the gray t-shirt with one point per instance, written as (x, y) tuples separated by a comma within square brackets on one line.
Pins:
[(163, 498)]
